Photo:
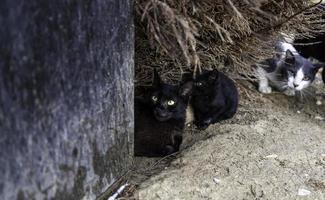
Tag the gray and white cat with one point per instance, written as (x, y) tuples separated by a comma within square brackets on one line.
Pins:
[(287, 71)]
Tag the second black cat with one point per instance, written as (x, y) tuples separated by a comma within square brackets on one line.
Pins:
[(214, 98)]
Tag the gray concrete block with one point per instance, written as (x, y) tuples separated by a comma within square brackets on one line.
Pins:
[(66, 97)]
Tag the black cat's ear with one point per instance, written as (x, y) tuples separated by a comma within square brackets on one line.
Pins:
[(186, 89), (289, 57), (214, 74), (187, 77), (156, 79)]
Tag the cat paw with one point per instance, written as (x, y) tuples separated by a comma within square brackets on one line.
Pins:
[(202, 127), (289, 92), (265, 90), (168, 149), (207, 121), (204, 124)]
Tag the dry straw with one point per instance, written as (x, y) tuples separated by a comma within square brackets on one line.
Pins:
[(189, 35)]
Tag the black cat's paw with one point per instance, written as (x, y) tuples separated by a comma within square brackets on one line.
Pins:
[(207, 121), (168, 149), (202, 125)]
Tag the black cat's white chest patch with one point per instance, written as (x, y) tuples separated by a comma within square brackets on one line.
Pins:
[(189, 114)]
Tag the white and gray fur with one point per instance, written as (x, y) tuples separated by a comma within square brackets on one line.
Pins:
[(287, 71)]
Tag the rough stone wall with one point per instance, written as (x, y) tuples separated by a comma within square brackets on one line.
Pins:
[(66, 97)]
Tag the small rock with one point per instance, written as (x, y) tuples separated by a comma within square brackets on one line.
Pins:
[(319, 118), (216, 180), (298, 111), (318, 102), (303, 192), (271, 156), (323, 157)]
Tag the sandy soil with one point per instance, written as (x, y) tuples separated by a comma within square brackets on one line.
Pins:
[(274, 148)]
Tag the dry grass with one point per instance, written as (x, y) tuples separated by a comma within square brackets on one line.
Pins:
[(190, 35)]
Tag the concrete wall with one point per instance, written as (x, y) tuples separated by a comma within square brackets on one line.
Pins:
[(66, 97)]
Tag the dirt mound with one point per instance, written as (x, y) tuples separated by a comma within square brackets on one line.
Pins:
[(272, 149)]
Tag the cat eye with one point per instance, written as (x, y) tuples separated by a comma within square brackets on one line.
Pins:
[(306, 78), (170, 102), (291, 71), (198, 84), (154, 98)]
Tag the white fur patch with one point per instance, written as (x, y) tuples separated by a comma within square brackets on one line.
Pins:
[(189, 114), (289, 92), (287, 46), (299, 76), (263, 85), (283, 47), (301, 84), (290, 81), (288, 37)]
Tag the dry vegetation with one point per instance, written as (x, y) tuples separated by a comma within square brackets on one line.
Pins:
[(190, 35)]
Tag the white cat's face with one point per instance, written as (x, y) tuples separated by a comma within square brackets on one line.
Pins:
[(298, 80)]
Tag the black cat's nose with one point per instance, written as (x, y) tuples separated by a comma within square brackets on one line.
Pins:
[(295, 85), (161, 115), (160, 112)]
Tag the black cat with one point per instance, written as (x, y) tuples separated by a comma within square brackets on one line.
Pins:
[(214, 98), (160, 119)]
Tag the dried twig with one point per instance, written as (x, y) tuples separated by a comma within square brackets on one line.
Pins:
[(187, 35)]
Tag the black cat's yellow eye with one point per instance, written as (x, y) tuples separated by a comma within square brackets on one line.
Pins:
[(170, 102), (306, 78), (154, 98)]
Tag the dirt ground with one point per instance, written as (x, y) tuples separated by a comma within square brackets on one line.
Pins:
[(274, 148)]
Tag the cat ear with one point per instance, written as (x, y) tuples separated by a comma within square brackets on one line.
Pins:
[(289, 57), (186, 89), (214, 74), (319, 65), (156, 79), (187, 77)]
